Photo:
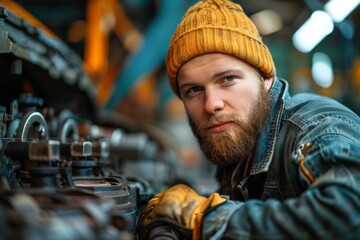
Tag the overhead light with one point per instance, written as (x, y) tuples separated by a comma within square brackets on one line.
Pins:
[(321, 70), (267, 22), (340, 9), (315, 29)]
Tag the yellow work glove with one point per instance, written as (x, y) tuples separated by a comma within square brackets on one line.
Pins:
[(179, 206)]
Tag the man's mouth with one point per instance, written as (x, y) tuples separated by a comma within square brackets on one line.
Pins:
[(219, 127)]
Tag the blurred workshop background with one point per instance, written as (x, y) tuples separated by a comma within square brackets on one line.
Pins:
[(102, 63), (123, 44)]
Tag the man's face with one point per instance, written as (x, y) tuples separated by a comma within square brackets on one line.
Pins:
[(227, 103)]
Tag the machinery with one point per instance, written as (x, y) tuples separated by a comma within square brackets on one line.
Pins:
[(65, 171)]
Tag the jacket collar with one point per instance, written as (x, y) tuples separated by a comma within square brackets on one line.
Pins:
[(264, 149)]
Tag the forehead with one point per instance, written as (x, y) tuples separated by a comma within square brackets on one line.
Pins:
[(213, 63)]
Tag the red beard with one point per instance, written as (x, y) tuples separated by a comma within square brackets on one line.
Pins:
[(229, 147)]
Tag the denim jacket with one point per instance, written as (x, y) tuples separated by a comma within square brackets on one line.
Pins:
[(304, 180)]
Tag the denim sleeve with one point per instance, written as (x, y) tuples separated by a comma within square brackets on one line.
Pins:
[(315, 215), (328, 207)]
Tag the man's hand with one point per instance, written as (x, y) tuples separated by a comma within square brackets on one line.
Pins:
[(179, 205)]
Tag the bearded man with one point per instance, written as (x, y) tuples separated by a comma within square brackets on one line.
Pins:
[(288, 167)]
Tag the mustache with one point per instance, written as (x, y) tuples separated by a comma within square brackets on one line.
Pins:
[(236, 118)]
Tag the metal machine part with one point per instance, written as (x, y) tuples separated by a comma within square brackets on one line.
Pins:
[(32, 126), (50, 164), (66, 127), (123, 214), (4, 119), (101, 154), (34, 60), (68, 131), (80, 156), (40, 164), (57, 214), (132, 146), (58, 180)]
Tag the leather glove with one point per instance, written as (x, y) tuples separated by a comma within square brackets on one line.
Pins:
[(179, 206)]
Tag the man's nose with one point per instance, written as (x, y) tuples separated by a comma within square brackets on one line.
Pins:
[(213, 101)]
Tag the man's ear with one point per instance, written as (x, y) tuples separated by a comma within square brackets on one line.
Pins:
[(268, 83)]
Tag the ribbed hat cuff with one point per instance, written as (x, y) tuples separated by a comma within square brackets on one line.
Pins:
[(205, 40)]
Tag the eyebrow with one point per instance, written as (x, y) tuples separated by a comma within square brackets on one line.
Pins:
[(217, 75), (229, 72), (185, 85)]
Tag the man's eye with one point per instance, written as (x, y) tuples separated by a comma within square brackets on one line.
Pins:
[(193, 90), (229, 78)]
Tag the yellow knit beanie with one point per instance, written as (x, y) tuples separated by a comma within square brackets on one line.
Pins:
[(217, 26)]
